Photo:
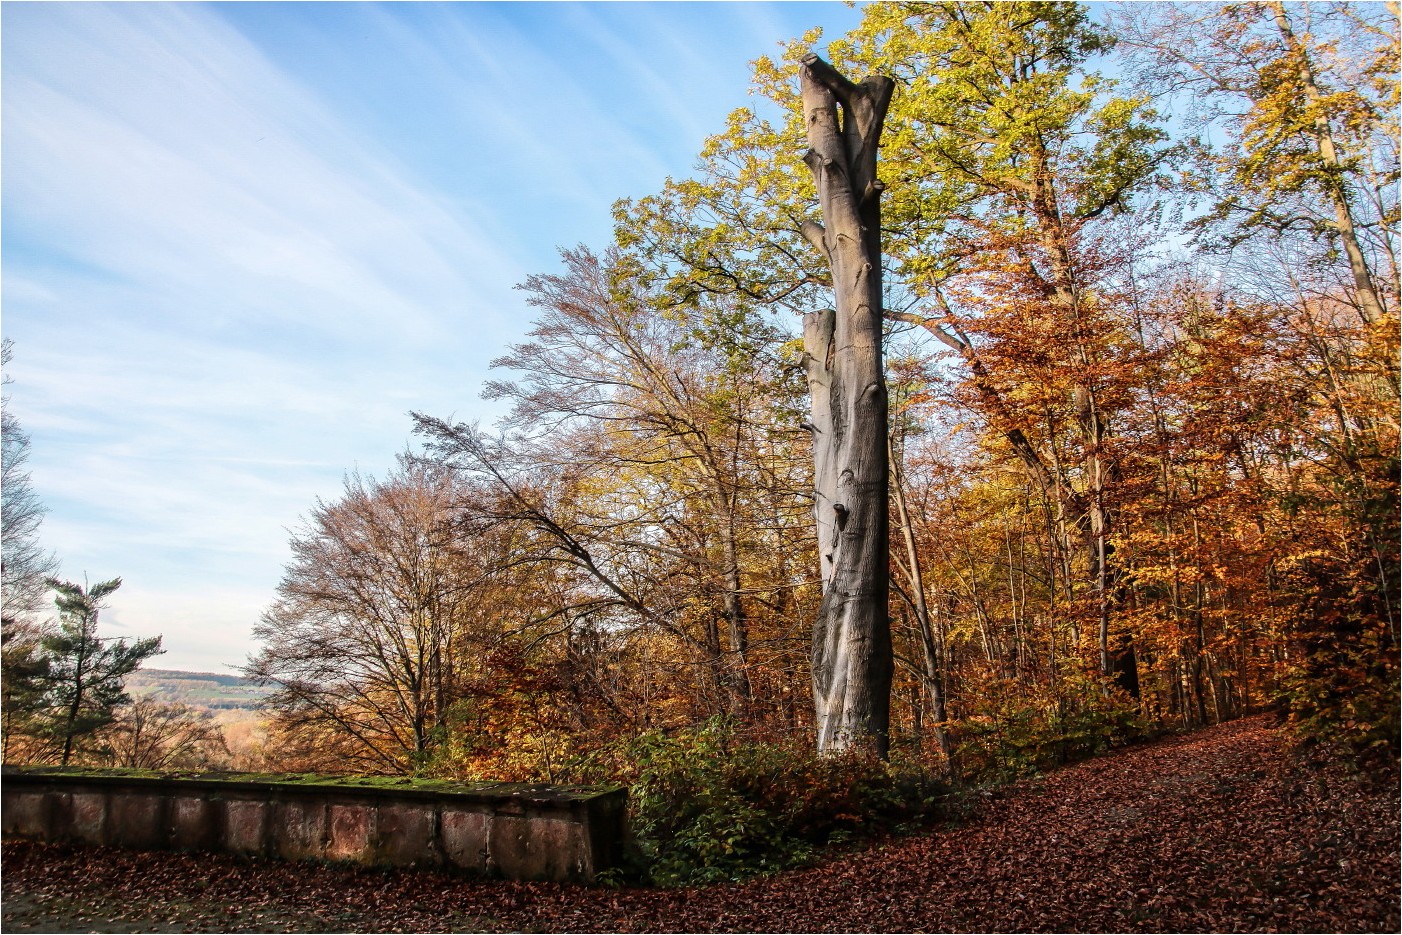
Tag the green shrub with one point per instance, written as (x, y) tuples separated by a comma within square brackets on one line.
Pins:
[(1341, 692), (706, 807), (1342, 701), (1007, 738)]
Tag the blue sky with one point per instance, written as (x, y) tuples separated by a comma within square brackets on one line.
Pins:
[(242, 241)]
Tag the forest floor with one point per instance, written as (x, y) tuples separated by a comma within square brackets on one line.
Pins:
[(1218, 830)]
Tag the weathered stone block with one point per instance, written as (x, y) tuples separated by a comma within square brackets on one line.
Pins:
[(299, 829), (463, 836), (406, 834), (194, 824), (525, 832), (352, 833), (87, 817), (536, 848), (26, 815), (135, 820), (244, 825)]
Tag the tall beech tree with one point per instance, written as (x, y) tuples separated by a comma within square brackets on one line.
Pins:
[(846, 371), (1014, 162), (1019, 158)]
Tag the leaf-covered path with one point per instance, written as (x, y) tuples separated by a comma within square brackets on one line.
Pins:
[(1215, 831)]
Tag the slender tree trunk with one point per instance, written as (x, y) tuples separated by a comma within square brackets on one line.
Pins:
[(852, 636), (1116, 661), (932, 676), (77, 704), (737, 671), (1369, 303)]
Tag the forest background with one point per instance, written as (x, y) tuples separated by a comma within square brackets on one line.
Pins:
[(1142, 366)]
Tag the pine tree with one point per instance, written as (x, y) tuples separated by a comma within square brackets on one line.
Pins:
[(86, 672)]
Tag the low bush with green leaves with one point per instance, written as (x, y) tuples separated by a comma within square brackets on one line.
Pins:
[(707, 806), (1007, 739)]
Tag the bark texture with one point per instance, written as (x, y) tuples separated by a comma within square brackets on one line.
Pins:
[(846, 373)]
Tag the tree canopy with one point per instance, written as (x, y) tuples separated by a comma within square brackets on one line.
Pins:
[(1138, 383)]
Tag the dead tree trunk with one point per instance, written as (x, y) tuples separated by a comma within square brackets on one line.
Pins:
[(852, 635)]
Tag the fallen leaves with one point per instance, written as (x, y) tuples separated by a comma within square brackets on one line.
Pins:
[(1214, 831)]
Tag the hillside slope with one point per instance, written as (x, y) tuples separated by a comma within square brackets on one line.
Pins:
[(210, 690)]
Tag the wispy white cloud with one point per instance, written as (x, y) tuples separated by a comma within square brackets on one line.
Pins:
[(211, 266), (186, 193), (242, 240), (545, 139)]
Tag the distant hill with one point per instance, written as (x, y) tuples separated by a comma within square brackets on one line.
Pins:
[(197, 689)]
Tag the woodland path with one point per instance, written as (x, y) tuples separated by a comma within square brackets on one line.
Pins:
[(1212, 831)]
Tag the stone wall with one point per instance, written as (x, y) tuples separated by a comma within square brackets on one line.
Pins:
[(508, 830)]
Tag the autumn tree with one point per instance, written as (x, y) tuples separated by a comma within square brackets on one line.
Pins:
[(1022, 159), (154, 733), (367, 639), (1010, 163), (650, 455), (911, 388), (24, 565), (1306, 95), (1301, 186)]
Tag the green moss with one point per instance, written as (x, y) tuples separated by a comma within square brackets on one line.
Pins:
[(406, 783)]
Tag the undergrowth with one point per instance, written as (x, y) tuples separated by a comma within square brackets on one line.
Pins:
[(707, 807), (1003, 739)]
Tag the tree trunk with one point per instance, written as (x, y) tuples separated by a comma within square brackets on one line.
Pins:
[(933, 675), (76, 705), (852, 636), (1116, 662), (737, 671), (1369, 303)]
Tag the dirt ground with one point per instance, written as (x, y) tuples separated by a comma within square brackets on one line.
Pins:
[(1215, 831)]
